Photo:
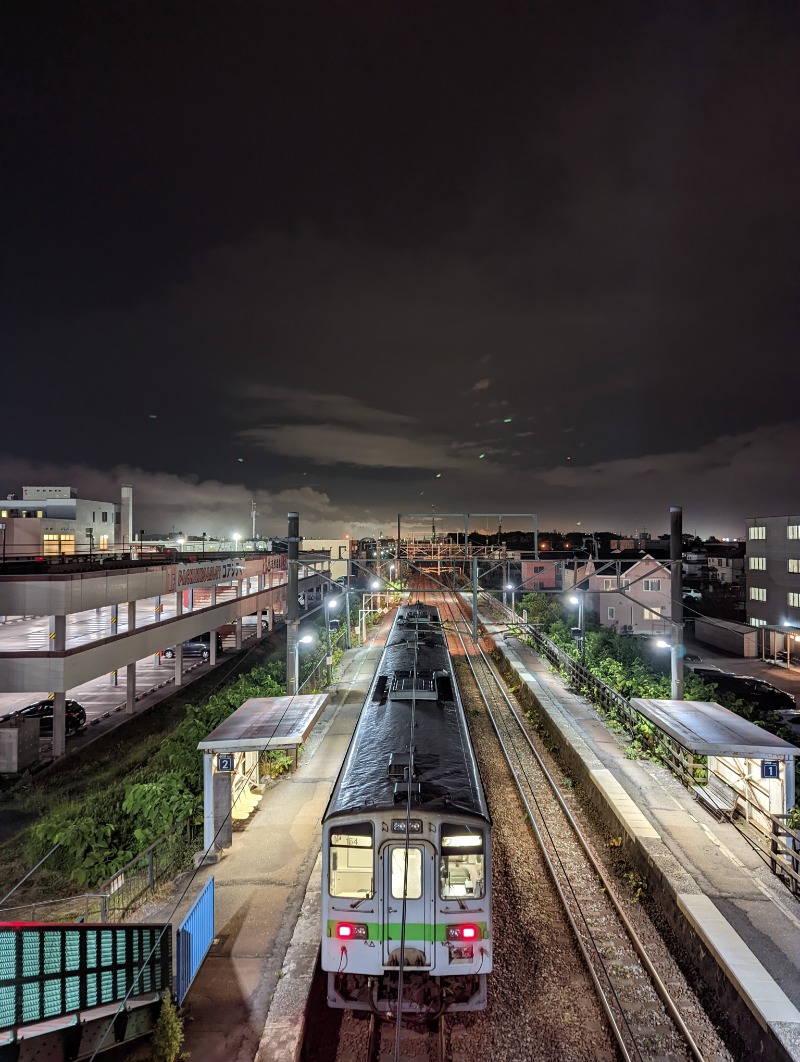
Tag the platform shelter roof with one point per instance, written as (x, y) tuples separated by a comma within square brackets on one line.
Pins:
[(267, 723), (707, 729)]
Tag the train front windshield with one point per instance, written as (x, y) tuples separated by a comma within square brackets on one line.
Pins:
[(352, 855), (461, 868)]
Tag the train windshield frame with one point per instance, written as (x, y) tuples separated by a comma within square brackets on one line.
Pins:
[(462, 867), (351, 870)]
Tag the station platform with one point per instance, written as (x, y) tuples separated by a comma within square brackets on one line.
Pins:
[(249, 999)]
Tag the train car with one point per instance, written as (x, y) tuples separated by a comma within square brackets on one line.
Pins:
[(406, 894)]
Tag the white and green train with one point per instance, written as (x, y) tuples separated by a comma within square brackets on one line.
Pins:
[(406, 879)]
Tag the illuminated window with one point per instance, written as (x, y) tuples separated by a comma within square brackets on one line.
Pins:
[(67, 543), (755, 622), (793, 599), (758, 593), (103, 542), (756, 532), (757, 564), (52, 544), (793, 531), (649, 614), (461, 869), (651, 585), (351, 862), (794, 565), (412, 876)]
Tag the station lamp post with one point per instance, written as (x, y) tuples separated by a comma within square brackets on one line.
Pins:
[(306, 638), (577, 599), (510, 586), (330, 605), (676, 652), (236, 539)]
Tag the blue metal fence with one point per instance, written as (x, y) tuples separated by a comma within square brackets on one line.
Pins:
[(194, 938)]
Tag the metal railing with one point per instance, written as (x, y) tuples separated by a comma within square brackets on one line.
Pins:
[(139, 880), (780, 849)]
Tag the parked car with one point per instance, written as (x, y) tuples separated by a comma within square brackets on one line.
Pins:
[(695, 595), (74, 715), (692, 658), (755, 690), (781, 655), (195, 647)]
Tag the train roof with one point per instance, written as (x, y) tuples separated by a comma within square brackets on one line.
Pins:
[(445, 773)]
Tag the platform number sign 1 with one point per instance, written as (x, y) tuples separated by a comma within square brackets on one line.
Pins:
[(225, 761), (770, 769)]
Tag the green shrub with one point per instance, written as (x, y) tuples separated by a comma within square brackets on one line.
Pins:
[(168, 1033)]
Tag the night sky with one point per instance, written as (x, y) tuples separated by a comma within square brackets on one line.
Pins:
[(326, 255)]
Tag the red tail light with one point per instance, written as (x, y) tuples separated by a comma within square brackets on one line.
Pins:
[(467, 931), (351, 931)]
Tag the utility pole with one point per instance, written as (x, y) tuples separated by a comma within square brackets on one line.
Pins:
[(253, 514), (292, 610), (475, 600), (676, 583)]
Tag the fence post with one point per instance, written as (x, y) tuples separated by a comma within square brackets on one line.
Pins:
[(103, 907), (773, 866), (150, 870)]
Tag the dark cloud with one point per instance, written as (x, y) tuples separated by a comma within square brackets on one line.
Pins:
[(245, 245)]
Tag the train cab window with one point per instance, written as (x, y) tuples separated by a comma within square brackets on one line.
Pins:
[(413, 879), (461, 869), (352, 857)]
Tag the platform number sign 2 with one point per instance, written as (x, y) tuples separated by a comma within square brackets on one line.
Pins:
[(770, 769), (225, 761)]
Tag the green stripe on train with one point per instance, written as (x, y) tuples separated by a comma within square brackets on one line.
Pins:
[(392, 931)]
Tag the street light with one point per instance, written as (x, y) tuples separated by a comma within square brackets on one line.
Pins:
[(330, 604), (375, 585), (676, 651), (511, 587), (306, 638), (236, 539), (577, 599), (180, 544)]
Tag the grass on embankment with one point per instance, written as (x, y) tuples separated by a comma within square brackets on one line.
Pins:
[(89, 786)]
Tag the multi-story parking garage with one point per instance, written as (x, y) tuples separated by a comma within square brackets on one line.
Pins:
[(63, 629)]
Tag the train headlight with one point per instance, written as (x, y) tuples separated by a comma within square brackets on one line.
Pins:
[(467, 931), (352, 931)]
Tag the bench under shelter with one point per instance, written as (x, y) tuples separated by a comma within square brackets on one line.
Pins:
[(748, 770)]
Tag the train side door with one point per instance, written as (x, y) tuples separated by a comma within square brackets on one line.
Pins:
[(416, 873)]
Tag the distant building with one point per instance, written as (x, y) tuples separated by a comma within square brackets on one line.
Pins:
[(773, 571), (636, 600), (48, 521), (726, 562)]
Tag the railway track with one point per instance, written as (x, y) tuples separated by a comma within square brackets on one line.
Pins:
[(543, 1001), (641, 1012)]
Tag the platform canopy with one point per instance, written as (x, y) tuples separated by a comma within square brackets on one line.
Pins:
[(267, 723), (707, 729)]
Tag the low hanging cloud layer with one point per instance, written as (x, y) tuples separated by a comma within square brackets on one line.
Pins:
[(704, 482)]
